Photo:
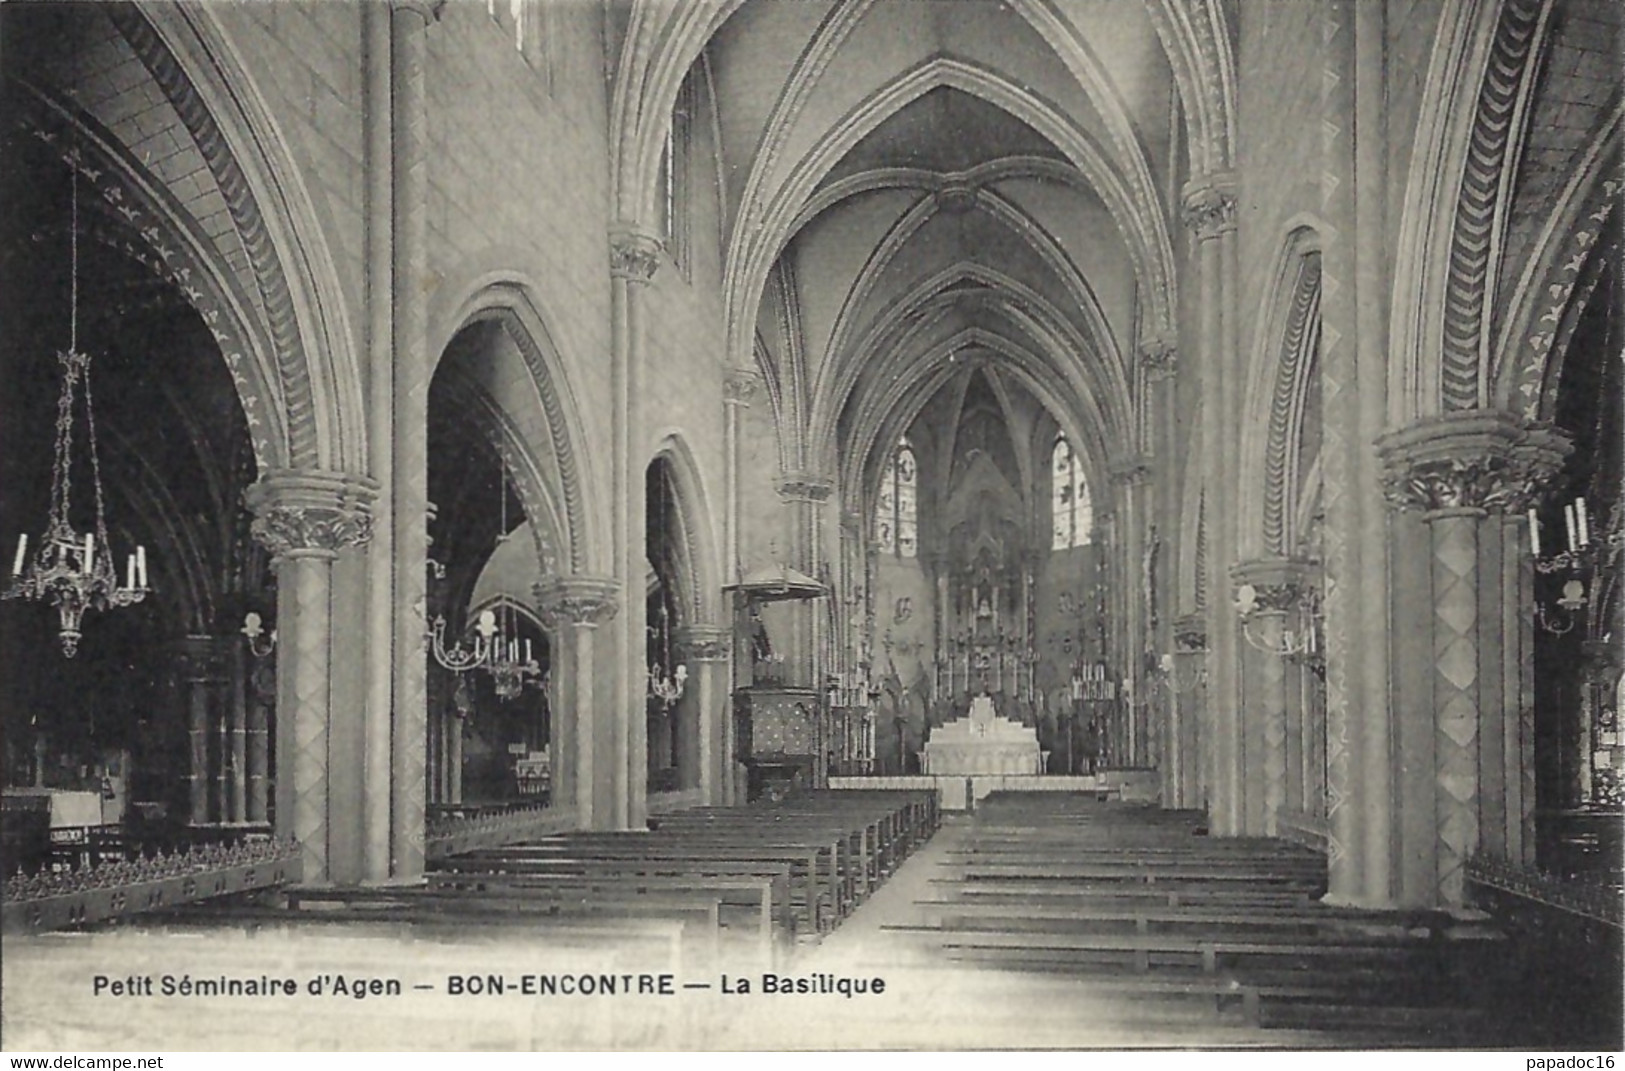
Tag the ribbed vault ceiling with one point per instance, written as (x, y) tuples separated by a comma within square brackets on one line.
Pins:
[(911, 180)]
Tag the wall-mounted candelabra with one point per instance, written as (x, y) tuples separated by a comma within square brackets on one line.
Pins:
[(1590, 565), (1255, 607), (260, 642)]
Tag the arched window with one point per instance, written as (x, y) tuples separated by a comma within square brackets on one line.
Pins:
[(897, 512), (1072, 517)]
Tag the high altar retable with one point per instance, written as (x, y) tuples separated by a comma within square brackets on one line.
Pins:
[(982, 743)]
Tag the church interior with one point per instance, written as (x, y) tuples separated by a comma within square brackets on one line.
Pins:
[(1108, 504)]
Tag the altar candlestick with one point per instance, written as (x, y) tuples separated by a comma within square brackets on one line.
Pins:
[(22, 552), (1568, 520), (1534, 533), (1580, 515)]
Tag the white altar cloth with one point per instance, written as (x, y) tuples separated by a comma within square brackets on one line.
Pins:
[(982, 743)]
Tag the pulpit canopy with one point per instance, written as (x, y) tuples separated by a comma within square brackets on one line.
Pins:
[(778, 583)]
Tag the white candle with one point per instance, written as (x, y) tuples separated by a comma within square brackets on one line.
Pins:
[(1580, 514), (22, 552), (527, 650), (90, 550), (141, 565), (1534, 533), (1568, 520), (129, 571)]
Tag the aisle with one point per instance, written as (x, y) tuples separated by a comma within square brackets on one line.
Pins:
[(933, 1004)]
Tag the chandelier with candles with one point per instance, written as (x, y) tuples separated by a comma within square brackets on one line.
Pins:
[(75, 572), (495, 646)]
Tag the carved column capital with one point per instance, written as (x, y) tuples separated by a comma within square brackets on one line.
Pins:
[(309, 513), (1485, 459), (739, 386), (634, 254), (1210, 206), (577, 600), (1129, 470), (203, 658), (1190, 634), (428, 10), (704, 643), (804, 486), (1159, 356), (1278, 584)]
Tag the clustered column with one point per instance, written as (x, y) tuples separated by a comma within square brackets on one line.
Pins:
[(587, 764), (306, 519), (1462, 472)]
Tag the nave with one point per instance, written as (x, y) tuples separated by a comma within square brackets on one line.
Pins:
[(1039, 920)]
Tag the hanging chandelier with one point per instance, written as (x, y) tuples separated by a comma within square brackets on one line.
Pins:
[(496, 646), (75, 572)]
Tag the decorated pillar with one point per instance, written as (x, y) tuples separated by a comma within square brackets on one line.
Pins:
[(588, 770), (1461, 472), (306, 519), (634, 256), (1277, 627), (257, 745), (202, 672), (1188, 691), (805, 493), (1159, 364), (1210, 214), (409, 475), (706, 649), (738, 389), (1131, 483)]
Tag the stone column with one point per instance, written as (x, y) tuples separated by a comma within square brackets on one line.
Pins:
[(634, 257), (705, 649), (1188, 690), (201, 671), (1159, 364), (1130, 480), (305, 519), (237, 734), (805, 492), (1273, 627), (1461, 471), (261, 700), (587, 769), (1210, 214), (409, 485), (738, 388)]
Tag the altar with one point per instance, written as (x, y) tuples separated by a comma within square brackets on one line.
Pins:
[(983, 742)]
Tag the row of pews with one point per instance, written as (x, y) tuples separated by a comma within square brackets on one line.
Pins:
[(1141, 904), (700, 887)]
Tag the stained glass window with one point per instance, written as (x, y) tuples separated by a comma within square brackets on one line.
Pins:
[(1072, 515), (897, 509)]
